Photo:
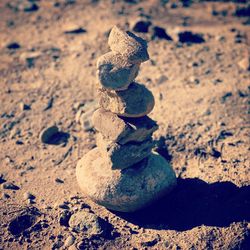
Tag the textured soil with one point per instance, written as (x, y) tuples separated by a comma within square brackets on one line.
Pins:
[(201, 83)]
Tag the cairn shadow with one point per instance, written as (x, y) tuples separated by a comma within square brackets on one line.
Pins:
[(194, 203)]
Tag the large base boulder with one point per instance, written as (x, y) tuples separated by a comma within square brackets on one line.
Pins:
[(124, 190)]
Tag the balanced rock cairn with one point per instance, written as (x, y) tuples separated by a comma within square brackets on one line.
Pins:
[(122, 173)]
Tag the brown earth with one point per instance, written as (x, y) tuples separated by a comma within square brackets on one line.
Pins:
[(48, 53)]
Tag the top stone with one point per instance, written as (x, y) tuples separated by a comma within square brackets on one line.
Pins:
[(129, 45)]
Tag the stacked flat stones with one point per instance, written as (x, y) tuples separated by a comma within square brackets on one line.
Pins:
[(122, 173)]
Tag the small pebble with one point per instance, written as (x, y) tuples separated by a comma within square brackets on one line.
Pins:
[(24, 106), (28, 196), (6, 196), (59, 180), (47, 134), (11, 186)]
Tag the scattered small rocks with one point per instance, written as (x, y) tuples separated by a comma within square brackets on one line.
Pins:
[(47, 134), (160, 33), (89, 223), (189, 37), (10, 185)]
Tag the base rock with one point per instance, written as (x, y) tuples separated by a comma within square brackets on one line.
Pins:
[(125, 190)]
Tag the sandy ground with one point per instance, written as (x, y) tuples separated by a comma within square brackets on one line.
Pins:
[(48, 52)]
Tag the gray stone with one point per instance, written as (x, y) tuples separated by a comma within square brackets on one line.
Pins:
[(123, 156), (114, 72), (123, 130), (129, 45), (47, 134), (84, 114), (88, 223), (136, 101), (124, 190)]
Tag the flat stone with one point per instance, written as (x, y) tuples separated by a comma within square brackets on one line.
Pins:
[(123, 156), (124, 190), (129, 45), (136, 101), (114, 71), (123, 130)]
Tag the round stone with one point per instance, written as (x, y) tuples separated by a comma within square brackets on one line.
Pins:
[(114, 71), (129, 45), (124, 190), (136, 101)]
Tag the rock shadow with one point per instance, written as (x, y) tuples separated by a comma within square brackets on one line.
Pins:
[(59, 138), (194, 203)]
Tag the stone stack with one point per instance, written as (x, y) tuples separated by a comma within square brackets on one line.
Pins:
[(122, 173)]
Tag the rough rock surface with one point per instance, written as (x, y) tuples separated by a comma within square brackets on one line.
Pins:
[(88, 223), (123, 156), (136, 101), (129, 45), (114, 71), (126, 129), (124, 190)]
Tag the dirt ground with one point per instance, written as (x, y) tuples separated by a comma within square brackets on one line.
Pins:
[(48, 53)]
